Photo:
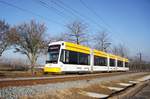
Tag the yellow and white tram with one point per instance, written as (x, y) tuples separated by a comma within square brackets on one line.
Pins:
[(69, 57)]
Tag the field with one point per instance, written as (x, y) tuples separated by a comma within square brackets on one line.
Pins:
[(13, 72)]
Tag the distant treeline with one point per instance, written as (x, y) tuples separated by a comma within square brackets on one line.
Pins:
[(139, 66)]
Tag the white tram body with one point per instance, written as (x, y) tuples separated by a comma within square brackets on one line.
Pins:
[(66, 57)]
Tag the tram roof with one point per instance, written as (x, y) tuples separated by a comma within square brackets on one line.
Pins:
[(85, 49)]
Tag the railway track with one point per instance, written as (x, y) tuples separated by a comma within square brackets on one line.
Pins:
[(54, 79), (72, 86)]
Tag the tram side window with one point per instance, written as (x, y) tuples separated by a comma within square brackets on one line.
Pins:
[(112, 62), (126, 64), (120, 63), (83, 59), (72, 57), (96, 61), (100, 61)]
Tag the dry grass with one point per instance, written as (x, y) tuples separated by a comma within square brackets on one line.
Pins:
[(75, 93), (61, 94), (14, 74), (98, 88), (112, 84)]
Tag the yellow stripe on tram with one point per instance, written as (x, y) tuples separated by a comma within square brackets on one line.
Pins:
[(52, 69), (77, 48)]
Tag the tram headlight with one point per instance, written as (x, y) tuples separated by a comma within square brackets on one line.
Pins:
[(47, 65)]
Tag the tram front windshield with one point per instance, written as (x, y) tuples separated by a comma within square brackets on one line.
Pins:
[(53, 53)]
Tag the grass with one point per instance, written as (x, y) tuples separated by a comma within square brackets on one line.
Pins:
[(14, 74)]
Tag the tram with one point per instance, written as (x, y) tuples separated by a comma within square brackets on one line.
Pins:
[(67, 57)]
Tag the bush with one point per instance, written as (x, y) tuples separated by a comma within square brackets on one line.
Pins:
[(13, 65)]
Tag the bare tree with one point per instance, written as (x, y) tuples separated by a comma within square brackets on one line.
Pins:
[(30, 41), (102, 41), (138, 64), (120, 50), (4, 30), (77, 32)]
